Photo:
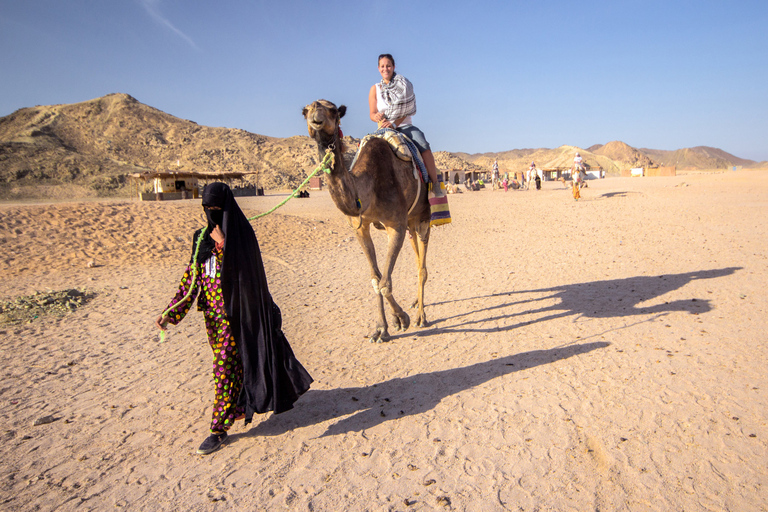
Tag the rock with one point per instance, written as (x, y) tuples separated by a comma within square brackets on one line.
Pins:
[(45, 420)]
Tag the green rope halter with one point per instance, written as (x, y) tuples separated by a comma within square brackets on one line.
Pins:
[(194, 278), (324, 166), (329, 156)]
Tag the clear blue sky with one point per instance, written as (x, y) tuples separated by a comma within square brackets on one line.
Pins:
[(488, 76)]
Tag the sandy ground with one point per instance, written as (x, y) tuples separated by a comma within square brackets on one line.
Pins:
[(605, 354)]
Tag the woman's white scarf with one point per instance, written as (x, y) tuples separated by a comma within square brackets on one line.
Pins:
[(399, 98)]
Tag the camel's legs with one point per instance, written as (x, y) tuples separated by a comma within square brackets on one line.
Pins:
[(382, 283), (395, 237), (364, 237), (420, 248), (363, 233)]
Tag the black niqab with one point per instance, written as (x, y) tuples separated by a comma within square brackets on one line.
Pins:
[(273, 379)]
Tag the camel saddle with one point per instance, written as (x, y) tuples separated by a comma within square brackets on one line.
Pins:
[(403, 148), (394, 139)]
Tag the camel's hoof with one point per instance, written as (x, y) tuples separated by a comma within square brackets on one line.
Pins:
[(401, 322), (378, 336), (422, 322)]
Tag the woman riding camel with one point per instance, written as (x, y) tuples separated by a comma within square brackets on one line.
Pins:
[(392, 104)]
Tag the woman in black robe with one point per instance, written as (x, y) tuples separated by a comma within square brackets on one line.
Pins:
[(254, 369)]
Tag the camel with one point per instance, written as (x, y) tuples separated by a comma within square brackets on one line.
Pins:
[(381, 190)]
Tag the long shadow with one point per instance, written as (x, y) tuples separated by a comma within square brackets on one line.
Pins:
[(613, 298), (618, 194), (361, 408)]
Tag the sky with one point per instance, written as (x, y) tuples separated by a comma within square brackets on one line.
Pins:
[(489, 76)]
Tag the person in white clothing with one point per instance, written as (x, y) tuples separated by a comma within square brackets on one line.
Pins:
[(578, 174), (392, 104), (577, 163), (530, 174)]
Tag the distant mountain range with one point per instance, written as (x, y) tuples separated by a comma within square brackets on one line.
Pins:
[(90, 148)]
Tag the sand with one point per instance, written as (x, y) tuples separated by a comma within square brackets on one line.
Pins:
[(605, 354)]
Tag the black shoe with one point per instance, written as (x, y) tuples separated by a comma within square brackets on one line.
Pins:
[(212, 443)]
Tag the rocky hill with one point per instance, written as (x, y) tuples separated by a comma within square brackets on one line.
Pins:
[(90, 148), (700, 157)]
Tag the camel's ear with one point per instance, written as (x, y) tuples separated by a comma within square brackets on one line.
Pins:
[(304, 112), (342, 111)]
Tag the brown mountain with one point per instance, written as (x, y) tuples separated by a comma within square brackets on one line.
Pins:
[(700, 157), (90, 148), (519, 160), (622, 153)]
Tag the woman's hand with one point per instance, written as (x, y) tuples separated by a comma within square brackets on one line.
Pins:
[(217, 234), (161, 322)]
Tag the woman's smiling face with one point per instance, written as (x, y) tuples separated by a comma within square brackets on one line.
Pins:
[(386, 68)]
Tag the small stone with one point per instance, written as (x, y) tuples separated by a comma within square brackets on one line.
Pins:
[(91, 264), (45, 420)]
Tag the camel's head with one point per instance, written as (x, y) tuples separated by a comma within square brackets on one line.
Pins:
[(323, 119)]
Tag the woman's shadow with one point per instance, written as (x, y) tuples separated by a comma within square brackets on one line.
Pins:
[(360, 408)]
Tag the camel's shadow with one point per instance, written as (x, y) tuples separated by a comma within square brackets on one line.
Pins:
[(361, 408), (613, 298), (609, 195)]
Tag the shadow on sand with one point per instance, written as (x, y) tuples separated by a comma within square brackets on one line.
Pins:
[(613, 298), (360, 408)]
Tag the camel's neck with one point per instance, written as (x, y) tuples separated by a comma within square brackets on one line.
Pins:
[(341, 183)]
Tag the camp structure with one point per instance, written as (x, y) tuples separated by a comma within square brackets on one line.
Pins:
[(169, 185), (639, 172), (556, 173)]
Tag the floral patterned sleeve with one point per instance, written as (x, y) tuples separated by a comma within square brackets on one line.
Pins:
[(177, 314)]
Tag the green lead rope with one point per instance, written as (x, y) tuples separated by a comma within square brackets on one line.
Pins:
[(329, 157), (194, 280)]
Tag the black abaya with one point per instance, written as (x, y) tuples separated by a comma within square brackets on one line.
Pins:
[(273, 379)]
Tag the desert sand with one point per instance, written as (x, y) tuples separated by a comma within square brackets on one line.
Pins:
[(605, 354)]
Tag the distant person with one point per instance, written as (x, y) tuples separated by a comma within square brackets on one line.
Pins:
[(578, 165), (577, 161), (578, 173), (531, 173), (254, 369)]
